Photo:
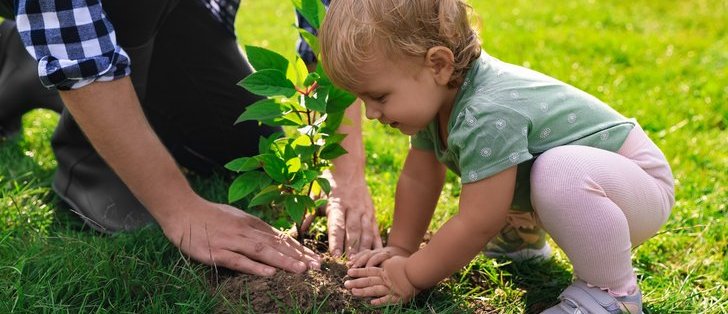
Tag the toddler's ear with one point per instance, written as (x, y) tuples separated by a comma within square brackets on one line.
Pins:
[(441, 61)]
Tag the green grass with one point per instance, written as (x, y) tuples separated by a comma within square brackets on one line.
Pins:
[(662, 62)]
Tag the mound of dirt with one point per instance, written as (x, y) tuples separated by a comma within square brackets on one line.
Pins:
[(313, 291)]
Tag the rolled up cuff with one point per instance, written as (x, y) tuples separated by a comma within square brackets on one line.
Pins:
[(64, 74)]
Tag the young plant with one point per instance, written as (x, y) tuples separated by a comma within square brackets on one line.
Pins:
[(287, 173)]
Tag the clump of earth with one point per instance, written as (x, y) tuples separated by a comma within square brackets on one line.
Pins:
[(311, 292)]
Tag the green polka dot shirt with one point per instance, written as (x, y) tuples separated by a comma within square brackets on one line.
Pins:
[(505, 115)]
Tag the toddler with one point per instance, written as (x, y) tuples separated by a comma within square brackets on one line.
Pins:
[(531, 151)]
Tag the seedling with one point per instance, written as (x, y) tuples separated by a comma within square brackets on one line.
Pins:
[(286, 175)]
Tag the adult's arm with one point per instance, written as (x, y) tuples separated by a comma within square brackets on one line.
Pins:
[(215, 234), (93, 81), (352, 225)]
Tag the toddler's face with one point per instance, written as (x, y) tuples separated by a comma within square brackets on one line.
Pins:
[(402, 93)]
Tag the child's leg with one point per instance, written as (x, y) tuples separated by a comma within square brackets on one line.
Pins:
[(597, 205)]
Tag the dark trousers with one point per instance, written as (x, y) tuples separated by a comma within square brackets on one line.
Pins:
[(185, 67)]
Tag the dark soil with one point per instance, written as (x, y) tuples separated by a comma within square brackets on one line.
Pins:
[(314, 291)]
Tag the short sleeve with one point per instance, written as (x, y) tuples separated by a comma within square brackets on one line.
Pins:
[(489, 139), (422, 140), (73, 42)]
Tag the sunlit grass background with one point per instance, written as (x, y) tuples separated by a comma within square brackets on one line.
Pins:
[(662, 62)]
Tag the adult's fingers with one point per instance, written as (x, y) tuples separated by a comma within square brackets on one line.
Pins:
[(265, 253), (289, 246), (367, 238), (377, 236), (336, 227), (353, 231), (280, 241), (241, 263)]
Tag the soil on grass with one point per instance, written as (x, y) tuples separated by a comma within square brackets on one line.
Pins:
[(314, 291)]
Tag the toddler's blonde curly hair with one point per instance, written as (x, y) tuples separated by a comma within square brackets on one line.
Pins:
[(355, 30)]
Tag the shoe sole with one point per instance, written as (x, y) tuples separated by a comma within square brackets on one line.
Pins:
[(543, 253)]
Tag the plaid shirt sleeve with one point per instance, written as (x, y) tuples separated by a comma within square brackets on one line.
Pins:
[(73, 41), (304, 50)]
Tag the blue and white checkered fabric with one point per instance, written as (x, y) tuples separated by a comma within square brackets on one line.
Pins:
[(224, 11), (73, 41), (75, 44)]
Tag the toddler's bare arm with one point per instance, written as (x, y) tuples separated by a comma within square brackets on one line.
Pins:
[(418, 190), (483, 208)]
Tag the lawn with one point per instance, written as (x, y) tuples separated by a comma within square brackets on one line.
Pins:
[(662, 62)]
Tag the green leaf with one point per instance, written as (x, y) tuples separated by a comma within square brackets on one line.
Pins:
[(295, 207), (324, 80), (244, 185), (315, 104), (338, 100), (302, 178), (333, 122), (295, 118), (274, 166), (243, 164), (264, 59), (311, 40), (307, 202), (335, 138), (266, 196), (325, 185), (294, 165), (302, 140), (321, 202), (264, 109), (306, 153), (289, 153), (280, 121), (311, 78), (264, 143), (332, 151), (297, 72), (310, 11), (321, 12), (269, 83)]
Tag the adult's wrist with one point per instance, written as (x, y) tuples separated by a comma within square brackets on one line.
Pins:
[(177, 205)]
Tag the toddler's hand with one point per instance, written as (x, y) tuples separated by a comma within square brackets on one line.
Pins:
[(370, 258), (388, 285)]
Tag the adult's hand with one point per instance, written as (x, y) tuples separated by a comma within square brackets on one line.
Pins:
[(352, 224), (211, 233), (221, 235)]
